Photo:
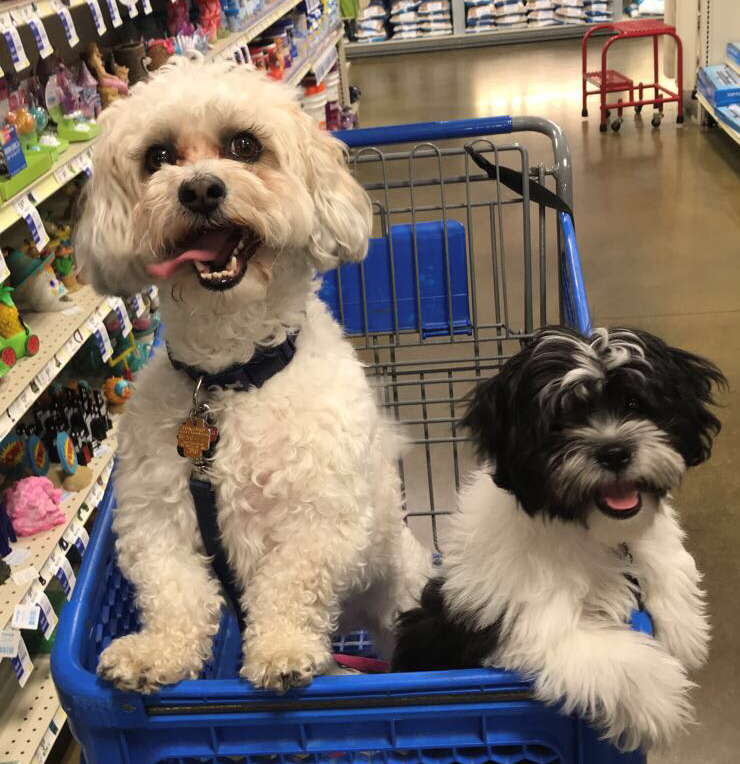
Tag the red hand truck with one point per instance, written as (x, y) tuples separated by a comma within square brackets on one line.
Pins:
[(611, 81)]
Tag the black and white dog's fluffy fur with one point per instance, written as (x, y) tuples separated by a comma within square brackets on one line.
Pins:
[(568, 523)]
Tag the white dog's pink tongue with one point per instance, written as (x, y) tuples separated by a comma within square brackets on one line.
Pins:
[(621, 498), (205, 247)]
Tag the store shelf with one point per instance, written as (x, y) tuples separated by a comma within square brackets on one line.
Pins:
[(447, 42), (68, 166), (734, 134), (78, 506), (60, 337), (30, 717), (302, 66), (271, 14), (42, 8)]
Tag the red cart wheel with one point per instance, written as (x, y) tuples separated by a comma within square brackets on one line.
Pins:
[(8, 356), (32, 344)]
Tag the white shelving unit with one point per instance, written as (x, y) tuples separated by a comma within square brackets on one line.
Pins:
[(61, 334), (734, 134), (31, 716)]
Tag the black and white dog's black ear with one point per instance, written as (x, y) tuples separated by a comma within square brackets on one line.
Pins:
[(486, 419), (689, 382)]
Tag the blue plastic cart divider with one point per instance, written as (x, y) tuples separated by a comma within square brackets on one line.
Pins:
[(369, 306)]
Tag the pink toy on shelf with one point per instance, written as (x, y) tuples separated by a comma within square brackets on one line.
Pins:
[(178, 15), (32, 504), (210, 18)]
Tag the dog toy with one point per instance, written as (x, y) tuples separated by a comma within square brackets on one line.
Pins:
[(111, 86), (16, 339), (117, 392), (37, 288), (32, 505)]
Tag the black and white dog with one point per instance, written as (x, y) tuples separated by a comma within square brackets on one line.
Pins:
[(568, 525)]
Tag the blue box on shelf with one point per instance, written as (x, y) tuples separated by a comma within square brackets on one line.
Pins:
[(733, 52), (719, 84)]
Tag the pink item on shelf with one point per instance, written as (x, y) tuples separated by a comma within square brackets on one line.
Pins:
[(210, 18), (32, 505)]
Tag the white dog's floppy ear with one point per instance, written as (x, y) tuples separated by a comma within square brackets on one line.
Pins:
[(344, 213), (104, 245)]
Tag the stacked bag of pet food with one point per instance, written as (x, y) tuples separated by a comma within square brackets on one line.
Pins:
[(541, 13), (719, 85), (371, 22), (479, 16), (404, 19), (570, 12), (597, 11), (435, 18), (510, 14)]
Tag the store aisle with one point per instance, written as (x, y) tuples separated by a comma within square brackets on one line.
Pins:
[(658, 228)]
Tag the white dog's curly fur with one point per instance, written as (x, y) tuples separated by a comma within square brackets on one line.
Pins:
[(309, 500)]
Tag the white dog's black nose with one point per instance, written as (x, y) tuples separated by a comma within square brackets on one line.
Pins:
[(614, 457), (202, 194)]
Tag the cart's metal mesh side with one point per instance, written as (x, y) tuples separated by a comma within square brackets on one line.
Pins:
[(511, 251)]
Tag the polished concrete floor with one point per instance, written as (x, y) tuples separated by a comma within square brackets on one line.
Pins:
[(659, 232)]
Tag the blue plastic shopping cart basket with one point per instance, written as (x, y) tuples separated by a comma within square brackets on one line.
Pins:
[(460, 272)]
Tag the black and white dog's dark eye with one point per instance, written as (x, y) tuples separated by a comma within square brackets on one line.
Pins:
[(245, 147), (157, 156)]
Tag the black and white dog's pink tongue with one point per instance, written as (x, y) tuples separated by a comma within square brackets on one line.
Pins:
[(620, 498), (205, 247)]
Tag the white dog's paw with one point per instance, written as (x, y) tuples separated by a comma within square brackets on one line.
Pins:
[(279, 661), (655, 707), (145, 662), (687, 640)]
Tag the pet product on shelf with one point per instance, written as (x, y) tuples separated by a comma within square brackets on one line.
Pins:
[(117, 392), (16, 338), (33, 505), (37, 288)]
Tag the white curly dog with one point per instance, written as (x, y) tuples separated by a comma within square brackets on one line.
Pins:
[(210, 178)]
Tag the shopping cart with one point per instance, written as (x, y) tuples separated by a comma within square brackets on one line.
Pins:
[(460, 272)]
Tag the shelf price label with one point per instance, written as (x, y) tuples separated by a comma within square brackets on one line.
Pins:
[(9, 639), (97, 15), (115, 14), (26, 616), (27, 16), (324, 63), (64, 174), (26, 210), (120, 310), (4, 270), (66, 18), (98, 330), (15, 46), (66, 576), (22, 664)]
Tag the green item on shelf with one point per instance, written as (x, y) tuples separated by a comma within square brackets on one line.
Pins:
[(38, 164), (35, 641), (50, 144), (350, 9), (76, 130)]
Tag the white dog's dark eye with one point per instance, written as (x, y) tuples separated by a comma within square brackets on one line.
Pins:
[(156, 156), (245, 146)]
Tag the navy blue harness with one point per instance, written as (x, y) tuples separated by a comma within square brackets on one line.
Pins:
[(263, 365)]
